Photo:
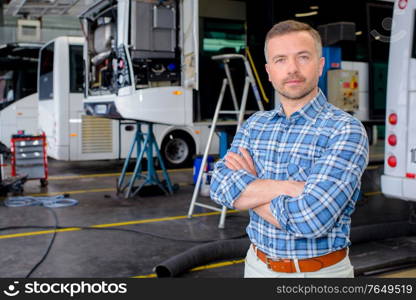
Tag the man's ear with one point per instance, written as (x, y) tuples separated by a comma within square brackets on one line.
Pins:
[(321, 65), (267, 70)]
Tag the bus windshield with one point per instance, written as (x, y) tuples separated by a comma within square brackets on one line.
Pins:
[(46, 72)]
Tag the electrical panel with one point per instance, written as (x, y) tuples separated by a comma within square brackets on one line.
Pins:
[(153, 29), (343, 89), (154, 43)]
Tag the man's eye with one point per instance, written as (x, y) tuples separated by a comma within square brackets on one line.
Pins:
[(279, 60), (304, 58)]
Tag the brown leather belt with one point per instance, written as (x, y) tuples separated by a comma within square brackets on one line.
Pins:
[(305, 265)]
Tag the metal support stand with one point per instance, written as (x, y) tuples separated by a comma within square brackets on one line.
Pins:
[(144, 143)]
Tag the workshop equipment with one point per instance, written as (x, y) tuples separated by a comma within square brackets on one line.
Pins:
[(238, 112), (28, 156)]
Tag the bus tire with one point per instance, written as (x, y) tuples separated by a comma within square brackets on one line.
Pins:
[(178, 150)]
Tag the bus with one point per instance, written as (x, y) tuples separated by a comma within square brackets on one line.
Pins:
[(398, 180), (143, 62), (18, 96), (72, 133)]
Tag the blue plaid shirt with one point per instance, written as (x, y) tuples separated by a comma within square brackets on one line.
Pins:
[(319, 144)]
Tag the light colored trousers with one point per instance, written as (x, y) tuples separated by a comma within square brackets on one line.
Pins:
[(255, 268)]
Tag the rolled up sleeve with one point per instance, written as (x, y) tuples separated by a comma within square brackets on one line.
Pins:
[(333, 180)]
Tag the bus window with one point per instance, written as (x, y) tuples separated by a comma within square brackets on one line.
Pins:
[(76, 69), (2, 90), (414, 38), (25, 81), (46, 73), (6, 88)]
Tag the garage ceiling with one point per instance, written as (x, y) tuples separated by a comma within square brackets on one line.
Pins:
[(38, 8)]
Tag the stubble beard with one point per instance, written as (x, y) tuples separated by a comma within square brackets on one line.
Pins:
[(296, 95)]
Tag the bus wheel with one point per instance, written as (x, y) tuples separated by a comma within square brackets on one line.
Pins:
[(178, 149)]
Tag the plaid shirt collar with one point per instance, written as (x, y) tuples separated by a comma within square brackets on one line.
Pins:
[(308, 112)]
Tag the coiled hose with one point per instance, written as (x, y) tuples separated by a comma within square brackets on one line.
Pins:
[(50, 202)]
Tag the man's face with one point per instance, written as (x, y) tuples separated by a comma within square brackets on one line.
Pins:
[(293, 64)]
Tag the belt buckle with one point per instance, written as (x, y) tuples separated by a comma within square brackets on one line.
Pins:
[(268, 263), (269, 260)]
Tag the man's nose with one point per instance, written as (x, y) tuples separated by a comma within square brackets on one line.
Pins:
[(292, 66)]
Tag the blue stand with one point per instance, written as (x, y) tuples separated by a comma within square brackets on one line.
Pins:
[(223, 144), (197, 166), (145, 143)]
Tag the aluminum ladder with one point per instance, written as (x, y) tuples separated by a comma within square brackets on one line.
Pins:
[(239, 112)]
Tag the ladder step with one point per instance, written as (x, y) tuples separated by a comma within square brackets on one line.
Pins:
[(208, 206), (229, 112)]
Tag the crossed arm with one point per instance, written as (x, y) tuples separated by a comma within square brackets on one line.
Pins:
[(261, 192), (333, 183)]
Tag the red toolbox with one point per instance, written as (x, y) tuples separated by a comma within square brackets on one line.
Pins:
[(29, 157)]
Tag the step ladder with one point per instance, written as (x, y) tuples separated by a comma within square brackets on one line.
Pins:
[(239, 112)]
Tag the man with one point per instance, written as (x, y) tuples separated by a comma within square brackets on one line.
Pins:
[(297, 169)]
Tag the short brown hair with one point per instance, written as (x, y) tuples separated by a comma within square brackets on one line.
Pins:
[(290, 26)]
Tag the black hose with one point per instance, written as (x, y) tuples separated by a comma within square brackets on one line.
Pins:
[(202, 254), (229, 249), (377, 232)]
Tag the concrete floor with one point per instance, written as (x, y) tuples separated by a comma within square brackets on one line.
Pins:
[(114, 253)]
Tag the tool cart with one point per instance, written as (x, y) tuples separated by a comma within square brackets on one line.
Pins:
[(29, 157)]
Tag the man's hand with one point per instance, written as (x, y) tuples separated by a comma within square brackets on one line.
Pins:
[(236, 162), (296, 188), (259, 193), (264, 212)]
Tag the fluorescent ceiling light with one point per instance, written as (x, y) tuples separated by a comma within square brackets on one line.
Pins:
[(359, 33), (314, 7), (311, 13)]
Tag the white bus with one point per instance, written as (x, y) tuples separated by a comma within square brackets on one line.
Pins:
[(72, 134), (399, 176), (18, 97), (151, 61)]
